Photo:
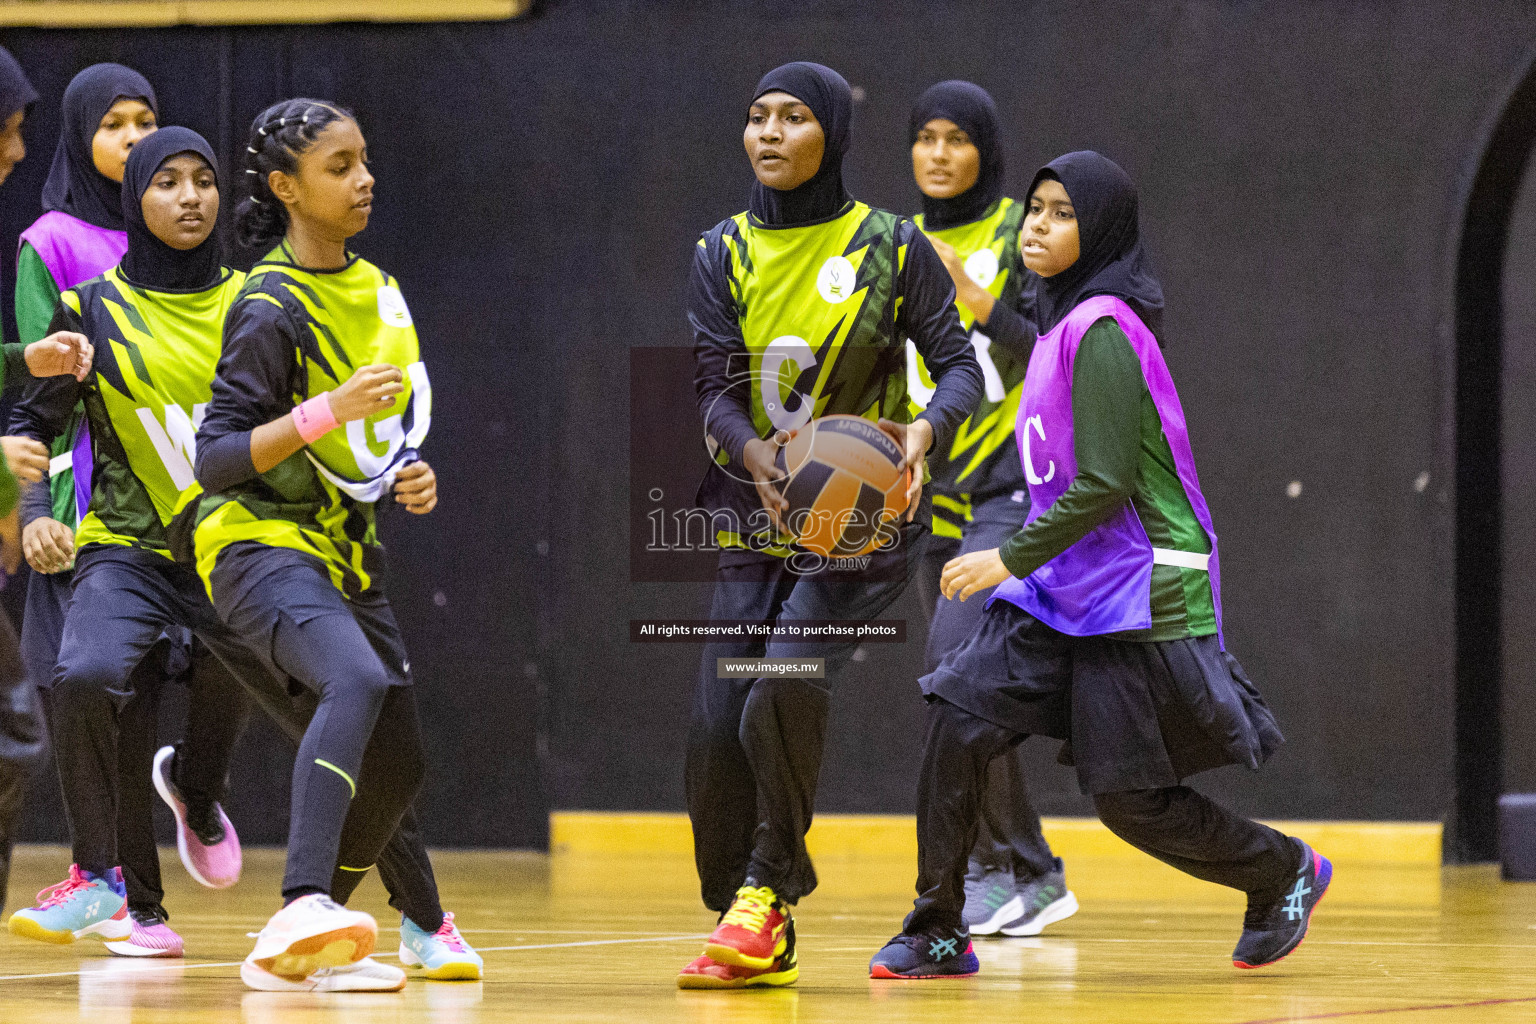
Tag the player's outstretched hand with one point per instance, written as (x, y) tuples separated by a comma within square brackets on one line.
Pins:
[(416, 488), (968, 574), (63, 353), (27, 459), (49, 545)]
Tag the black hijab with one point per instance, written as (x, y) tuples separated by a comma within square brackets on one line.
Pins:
[(972, 109), (827, 94), (74, 185), (1111, 259), (16, 93), (149, 261)]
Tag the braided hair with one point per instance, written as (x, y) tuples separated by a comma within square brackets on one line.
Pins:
[(278, 136)]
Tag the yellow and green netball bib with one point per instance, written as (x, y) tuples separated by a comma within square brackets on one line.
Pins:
[(156, 352), (320, 500), (981, 455), (817, 311)]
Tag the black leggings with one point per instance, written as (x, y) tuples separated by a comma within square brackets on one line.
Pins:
[(755, 745), (124, 599), (1009, 838), (1177, 825), (202, 760), (105, 696), (360, 762)]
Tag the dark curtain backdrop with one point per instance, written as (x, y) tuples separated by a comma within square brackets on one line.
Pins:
[(541, 184)]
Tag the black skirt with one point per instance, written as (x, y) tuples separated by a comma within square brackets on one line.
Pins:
[(1133, 715)]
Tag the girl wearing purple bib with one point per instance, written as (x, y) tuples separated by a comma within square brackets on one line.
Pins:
[(1105, 627)]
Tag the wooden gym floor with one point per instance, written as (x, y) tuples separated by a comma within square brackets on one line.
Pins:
[(587, 935)]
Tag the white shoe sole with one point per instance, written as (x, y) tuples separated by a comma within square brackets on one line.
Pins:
[(109, 930), (1010, 911), (129, 949), (1054, 912), (265, 981)]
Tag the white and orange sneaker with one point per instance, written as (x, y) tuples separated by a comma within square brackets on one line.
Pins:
[(310, 934)]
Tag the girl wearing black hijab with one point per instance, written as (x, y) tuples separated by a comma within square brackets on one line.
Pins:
[(1105, 626), (107, 110), (127, 591), (809, 278), (1015, 884)]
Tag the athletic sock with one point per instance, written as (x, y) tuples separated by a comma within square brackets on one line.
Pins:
[(289, 895), (111, 876)]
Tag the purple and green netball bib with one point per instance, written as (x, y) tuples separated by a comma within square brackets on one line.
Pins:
[(1102, 583), (74, 251)]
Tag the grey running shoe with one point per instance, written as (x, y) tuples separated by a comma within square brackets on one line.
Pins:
[(991, 899), (1042, 901)]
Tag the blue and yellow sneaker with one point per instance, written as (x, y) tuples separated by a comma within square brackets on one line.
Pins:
[(83, 904), (442, 955), (926, 956)]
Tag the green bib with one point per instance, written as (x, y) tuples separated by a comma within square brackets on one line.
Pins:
[(989, 248), (320, 499), (817, 310), (156, 352)]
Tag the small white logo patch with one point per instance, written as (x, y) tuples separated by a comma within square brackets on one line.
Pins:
[(981, 267), (836, 280), (392, 308)]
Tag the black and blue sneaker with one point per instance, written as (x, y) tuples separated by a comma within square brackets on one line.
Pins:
[(926, 956), (1275, 925)]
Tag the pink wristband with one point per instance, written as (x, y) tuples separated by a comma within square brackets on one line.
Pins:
[(314, 418)]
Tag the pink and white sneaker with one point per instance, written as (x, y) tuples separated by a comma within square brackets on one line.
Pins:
[(210, 850), (151, 936)]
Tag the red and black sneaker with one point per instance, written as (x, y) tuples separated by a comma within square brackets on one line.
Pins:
[(707, 973), (753, 933)]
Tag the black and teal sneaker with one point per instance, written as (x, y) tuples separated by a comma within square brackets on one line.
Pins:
[(926, 956), (1275, 926)]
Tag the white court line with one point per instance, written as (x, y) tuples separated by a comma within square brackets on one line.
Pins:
[(122, 972), (150, 968), (591, 942)]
